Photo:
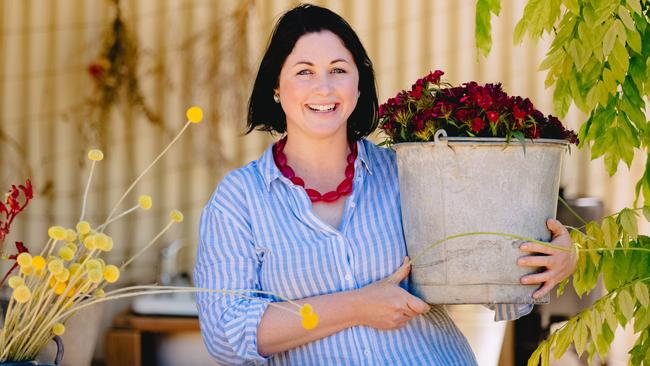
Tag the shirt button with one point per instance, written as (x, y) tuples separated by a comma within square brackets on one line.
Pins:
[(367, 353), (352, 204), (348, 277)]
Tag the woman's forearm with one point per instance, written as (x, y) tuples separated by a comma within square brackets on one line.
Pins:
[(280, 330)]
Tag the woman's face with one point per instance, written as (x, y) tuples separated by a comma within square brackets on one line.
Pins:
[(318, 86)]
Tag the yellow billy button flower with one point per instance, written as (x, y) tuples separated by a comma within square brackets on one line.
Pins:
[(53, 282), (60, 288), (70, 235), (38, 262), (22, 294), (26, 270), (108, 246), (56, 233), (72, 246), (63, 275), (66, 253), (89, 242), (95, 275), (176, 216), (72, 292), (101, 241), (83, 227), (24, 259), (309, 318), (93, 264), (144, 202), (15, 281), (194, 114), (95, 155), (58, 329), (74, 268), (55, 266), (111, 273), (99, 293)]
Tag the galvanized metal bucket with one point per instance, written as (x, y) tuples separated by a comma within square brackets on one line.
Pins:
[(459, 185)]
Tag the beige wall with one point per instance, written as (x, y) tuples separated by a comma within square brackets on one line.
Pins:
[(192, 52)]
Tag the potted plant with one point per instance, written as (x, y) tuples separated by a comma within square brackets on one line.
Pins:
[(472, 159), (599, 60)]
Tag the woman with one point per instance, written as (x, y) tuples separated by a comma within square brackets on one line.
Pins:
[(317, 219)]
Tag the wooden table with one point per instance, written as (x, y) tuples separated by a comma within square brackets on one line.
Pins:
[(130, 339)]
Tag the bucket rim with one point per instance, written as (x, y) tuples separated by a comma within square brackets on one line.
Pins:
[(487, 141)]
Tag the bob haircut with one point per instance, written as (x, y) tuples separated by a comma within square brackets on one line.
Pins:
[(266, 115)]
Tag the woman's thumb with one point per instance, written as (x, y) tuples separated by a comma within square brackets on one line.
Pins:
[(402, 272)]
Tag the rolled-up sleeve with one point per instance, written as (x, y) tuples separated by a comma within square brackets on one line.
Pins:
[(509, 311), (227, 260)]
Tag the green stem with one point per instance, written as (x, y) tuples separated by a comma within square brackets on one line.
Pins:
[(568, 207)]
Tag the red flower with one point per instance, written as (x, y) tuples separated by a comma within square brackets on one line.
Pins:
[(493, 116), (477, 124), (518, 113)]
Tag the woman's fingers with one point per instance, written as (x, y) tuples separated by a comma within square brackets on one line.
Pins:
[(537, 248), (548, 286), (417, 305), (537, 278), (535, 261)]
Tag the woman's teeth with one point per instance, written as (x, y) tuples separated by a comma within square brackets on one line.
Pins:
[(321, 107)]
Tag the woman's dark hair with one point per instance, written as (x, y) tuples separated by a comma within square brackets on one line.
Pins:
[(266, 115)]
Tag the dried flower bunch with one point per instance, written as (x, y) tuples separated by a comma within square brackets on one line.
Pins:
[(69, 273), (470, 110)]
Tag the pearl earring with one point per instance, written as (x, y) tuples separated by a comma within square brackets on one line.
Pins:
[(276, 97)]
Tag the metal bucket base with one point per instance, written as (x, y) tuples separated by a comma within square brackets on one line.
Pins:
[(478, 294)]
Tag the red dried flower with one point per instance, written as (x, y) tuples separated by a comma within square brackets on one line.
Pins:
[(464, 111)]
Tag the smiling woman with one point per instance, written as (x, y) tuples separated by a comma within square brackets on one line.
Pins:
[(317, 218)]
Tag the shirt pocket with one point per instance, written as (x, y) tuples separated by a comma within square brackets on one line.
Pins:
[(301, 268)]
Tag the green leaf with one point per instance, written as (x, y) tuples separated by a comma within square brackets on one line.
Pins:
[(610, 232), (633, 40), (641, 293), (627, 219), (563, 340), (561, 98), (626, 304), (635, 5), (604, 341), (580, 337), (572, 5), (608, 41), (534, 358), (619, 61), (610, 316), (641, 320), (624, 14), (483, 32), (546, 354)]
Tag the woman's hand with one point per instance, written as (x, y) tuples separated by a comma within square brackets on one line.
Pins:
[(384, 305), (559, 264)]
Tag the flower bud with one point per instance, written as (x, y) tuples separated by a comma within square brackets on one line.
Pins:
[(306, 309), (74, 268), (58, 329), (55, 266), (99, 293), (144, 202), (66, 253), (15, 281), (95, 155), (176, 216), (93, 264), (83, 227), (89, 242), (194, 114), (100, 241), (56, 232), (22, 294), (95, 275), (70, 235), (38, 262), (24, 259), (310, 321), (63, 275), (111, 273), (60, 288), (26, 270)]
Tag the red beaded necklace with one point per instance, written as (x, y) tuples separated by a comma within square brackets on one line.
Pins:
[(343, 189)]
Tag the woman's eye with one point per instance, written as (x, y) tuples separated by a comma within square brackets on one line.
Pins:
[(338, 71), (304, 72)]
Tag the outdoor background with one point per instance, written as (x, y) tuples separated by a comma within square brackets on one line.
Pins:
[(206, 52)]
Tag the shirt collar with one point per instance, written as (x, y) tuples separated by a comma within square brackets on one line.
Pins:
[(270, 172)]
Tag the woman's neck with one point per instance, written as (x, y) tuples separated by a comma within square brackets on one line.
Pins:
[(319, 162)]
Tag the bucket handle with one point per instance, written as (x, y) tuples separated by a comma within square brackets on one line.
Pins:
[(59, 350), (437, 140)]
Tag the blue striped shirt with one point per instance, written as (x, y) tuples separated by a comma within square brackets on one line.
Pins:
[(258, 232)]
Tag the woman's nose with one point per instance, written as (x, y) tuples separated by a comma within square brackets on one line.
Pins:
[(323, 85)]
